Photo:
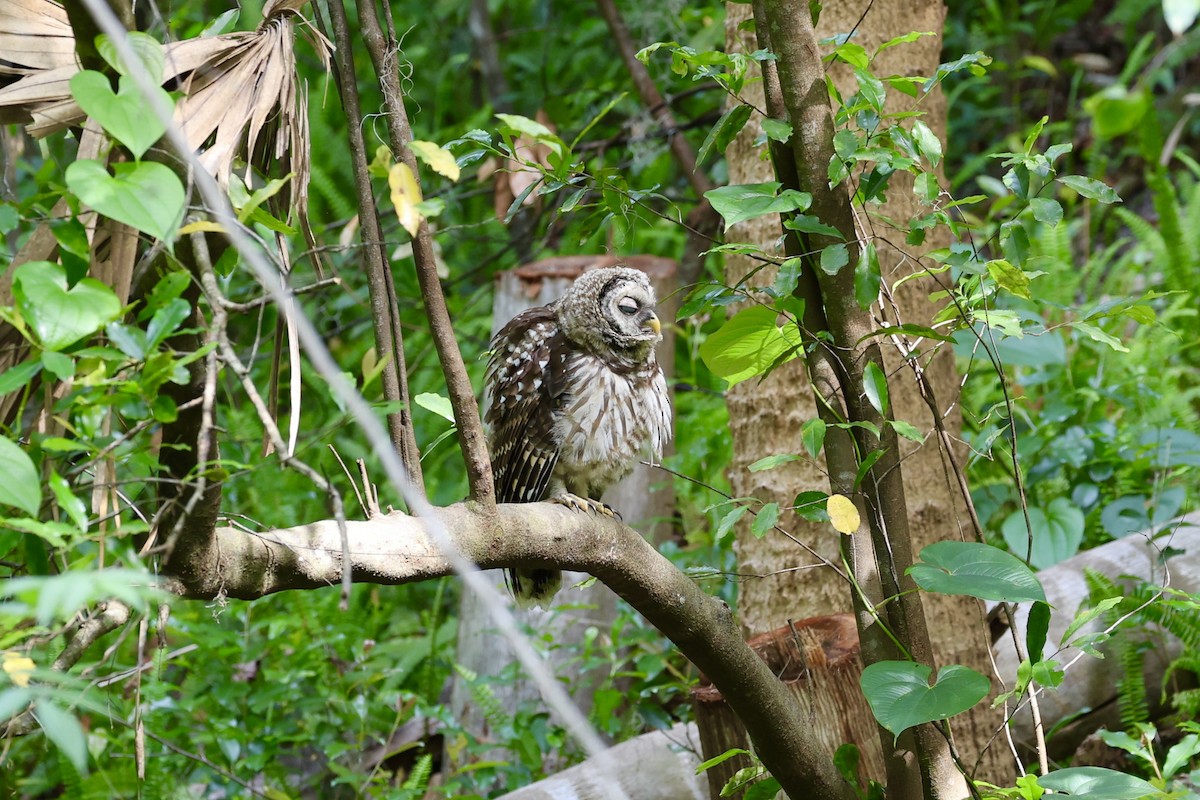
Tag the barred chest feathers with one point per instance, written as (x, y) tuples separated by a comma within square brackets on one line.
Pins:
[(607, 420)]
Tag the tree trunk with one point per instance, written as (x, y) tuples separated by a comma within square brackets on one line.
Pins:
[(765, 417), (645, 500)]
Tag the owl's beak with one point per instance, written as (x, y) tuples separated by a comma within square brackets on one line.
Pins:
[(653, 324)]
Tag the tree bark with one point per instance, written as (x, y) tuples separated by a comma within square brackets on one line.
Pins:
[(764, 423)]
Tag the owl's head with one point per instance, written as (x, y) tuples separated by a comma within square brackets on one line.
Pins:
[(611, 309)]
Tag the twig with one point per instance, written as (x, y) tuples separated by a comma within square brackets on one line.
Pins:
[(383, 51), (385, 312), (681, 148)]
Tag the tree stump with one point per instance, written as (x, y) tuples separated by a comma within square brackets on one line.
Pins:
[(819, 660)]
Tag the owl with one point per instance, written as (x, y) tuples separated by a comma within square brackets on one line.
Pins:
[(575, 398)]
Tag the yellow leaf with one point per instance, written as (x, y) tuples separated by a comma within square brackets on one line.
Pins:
[(406, 194), (19, 668), (440, 159), (204, 225), (842, 513)]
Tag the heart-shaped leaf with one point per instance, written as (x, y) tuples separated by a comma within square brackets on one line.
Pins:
[(901, 697), (124, 115), (146, 196), (20, 487), (1098, 783), (976, 570), (1057, 532), (60, 316)]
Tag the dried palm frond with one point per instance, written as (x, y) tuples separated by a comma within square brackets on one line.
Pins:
[(240, 96), (34, 35)]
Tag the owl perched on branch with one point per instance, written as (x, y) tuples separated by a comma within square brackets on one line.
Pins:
[(575, 397)]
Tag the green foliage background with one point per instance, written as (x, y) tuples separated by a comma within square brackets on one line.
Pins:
[(291, 693)]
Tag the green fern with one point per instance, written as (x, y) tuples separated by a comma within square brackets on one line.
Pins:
[(1172, 611), (418, 780), (485, 698)]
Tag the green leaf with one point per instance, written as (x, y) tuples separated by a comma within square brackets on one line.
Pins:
[(1099, 335), (1057, 532), (1011, 278), (901, 697), (1089, 188), (765, 520), (721, 759), (771, 462), (146, 49), (867, 277), (927, 142), (124, 115), (64, 730), (911, 36), (766, 789), (16, 377), (907, 430), (876, 387), (20, 487), (927, 189), (60, 316), (833, 258), (976, 570), (1084, 617), (436, 403), (812, 506), (805, 223), (727, 128), (727, 522), (1036, 628), (865, 465), (1097, 783), (71, 505), (749, 200), (145, 196), (777, 129), (1046, 211), (812, 433), (749, 344), (59, 365)]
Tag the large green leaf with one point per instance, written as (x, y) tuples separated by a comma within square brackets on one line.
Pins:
[(1057, 532), (60, 316), (146, 196), (1098, 783), (976, 570), (901, 697), (748, 200), (124, 115), (64, 730), (748, 344), (20, 487)]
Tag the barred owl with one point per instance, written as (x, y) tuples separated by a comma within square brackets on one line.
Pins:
[(575, 396)]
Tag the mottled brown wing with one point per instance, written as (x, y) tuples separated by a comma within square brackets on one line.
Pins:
[(525, 384)]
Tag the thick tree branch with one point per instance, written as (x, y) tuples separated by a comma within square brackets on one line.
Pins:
[(398, 548)]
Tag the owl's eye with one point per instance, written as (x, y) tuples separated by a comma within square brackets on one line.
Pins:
[(628, 306)]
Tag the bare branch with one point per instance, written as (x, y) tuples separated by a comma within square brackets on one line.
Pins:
[(384, 52), (385, 312)]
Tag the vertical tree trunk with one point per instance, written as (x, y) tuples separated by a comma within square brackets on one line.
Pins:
[(765, 418), (644, 499)]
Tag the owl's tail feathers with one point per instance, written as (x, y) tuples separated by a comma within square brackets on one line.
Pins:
[(533, 588)]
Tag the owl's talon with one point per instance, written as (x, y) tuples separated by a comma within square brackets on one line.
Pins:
[(584, 504)]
